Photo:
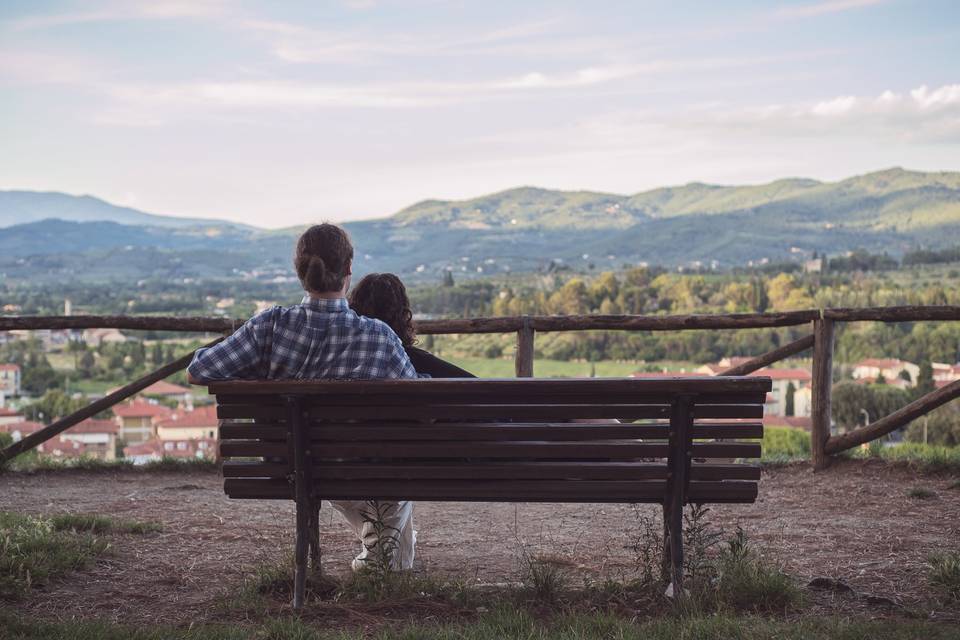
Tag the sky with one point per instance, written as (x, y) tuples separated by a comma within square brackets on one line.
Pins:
[(283, 113)]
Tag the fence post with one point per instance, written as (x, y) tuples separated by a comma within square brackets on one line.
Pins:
[(822, 384), (524, 361)]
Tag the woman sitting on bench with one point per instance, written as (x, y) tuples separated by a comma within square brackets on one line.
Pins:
[(384, 297)]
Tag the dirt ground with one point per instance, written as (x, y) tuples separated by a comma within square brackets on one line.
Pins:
[(854, 523)]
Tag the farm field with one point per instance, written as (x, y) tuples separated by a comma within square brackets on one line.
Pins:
[(544, 368)]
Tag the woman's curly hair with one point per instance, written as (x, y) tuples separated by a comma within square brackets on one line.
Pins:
[(383, 296)]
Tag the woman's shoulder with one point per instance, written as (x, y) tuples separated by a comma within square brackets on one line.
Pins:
[(425, 362)]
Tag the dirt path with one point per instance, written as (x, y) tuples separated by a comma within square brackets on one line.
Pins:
[(854, 522)]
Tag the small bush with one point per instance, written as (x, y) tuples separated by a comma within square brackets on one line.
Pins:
[(785, 444), (920, 493), (945, 573), (745, 582), (546, 576)]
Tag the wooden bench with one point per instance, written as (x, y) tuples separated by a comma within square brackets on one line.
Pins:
[(492, 441)]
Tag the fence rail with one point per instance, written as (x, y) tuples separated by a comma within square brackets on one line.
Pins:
[(823, 324)]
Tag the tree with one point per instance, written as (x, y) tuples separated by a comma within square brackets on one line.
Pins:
[(52, 405), (448, 278), (38, 375), (86, 364), (789, 400), (925, 382), (157, 356), (847, 400), (942, 425)]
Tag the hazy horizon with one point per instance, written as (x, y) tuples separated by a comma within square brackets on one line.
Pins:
[(228, 218), (280, 115)]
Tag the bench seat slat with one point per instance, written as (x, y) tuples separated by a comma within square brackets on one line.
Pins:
[(552, 398), (519, 470), (486, 431), (513, 449), (491, 491), (667, 387), (543, 413)]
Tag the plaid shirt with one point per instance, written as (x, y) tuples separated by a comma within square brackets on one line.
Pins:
[(314, 339)]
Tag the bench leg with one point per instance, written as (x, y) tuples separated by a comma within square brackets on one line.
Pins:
[(676, 551), (300, 554), (315, 566), (665, 573), (672, 563)]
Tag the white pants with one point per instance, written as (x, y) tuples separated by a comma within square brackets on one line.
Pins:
[(397, 520)]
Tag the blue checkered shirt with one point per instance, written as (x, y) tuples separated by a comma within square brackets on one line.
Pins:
[(314, 339)]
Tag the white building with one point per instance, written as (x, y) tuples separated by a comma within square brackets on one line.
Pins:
[(890, 368)]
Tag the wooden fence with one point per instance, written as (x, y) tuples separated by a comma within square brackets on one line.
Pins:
[(821, 339)]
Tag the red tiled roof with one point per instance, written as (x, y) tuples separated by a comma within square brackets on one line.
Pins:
[(882, 363), (9, 367), (91, 425), (26, 426), (783, 374), (669, 374), (797, 422), (899, 383), (157, 447), (164, 388), (6, 413), (205, 416), (141, 409), (161, 388)]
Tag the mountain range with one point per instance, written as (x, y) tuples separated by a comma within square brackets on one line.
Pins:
[(48, 235)]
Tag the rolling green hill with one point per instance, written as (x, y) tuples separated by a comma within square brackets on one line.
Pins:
[(522, 229)]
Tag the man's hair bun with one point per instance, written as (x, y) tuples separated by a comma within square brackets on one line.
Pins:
[(323, 258)]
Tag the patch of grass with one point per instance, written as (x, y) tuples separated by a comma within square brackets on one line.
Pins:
[(546, 576), (180, 464), (39, 464), (544, 368), (502, 622), (746, 582), (783, 445), (33, 551), (922, 457), (92, 523), (945, 573), (954, 485), (27, 463), (921, 493)]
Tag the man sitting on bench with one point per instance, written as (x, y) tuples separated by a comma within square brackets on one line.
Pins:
[(321, 338)]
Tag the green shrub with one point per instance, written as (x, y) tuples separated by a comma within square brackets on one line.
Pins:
[(924, 457), (746, 582), (785, 443)]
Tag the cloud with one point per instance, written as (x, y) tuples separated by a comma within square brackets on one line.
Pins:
[(131, 10), (34, 67), (298, 44), (824, 8), (927, 115)]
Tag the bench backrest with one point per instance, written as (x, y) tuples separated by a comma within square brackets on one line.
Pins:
[(494, 440)]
